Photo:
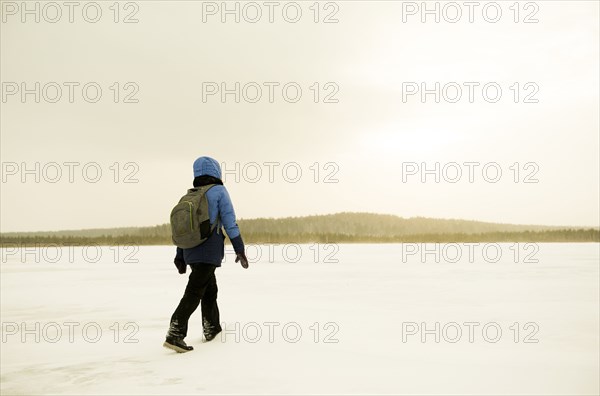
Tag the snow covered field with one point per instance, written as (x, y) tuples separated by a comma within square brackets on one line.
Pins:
[(74, 326)]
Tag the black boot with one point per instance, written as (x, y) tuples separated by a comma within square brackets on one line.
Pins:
[(177, 344), (210, 331), (211, 336)]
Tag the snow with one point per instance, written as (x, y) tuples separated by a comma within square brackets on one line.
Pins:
[(367, 301)]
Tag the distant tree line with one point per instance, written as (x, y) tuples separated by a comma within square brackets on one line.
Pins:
[(576, 235), (335, 228)]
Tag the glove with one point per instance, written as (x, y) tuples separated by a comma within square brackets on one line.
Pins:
[(241, 257), (180, 264)]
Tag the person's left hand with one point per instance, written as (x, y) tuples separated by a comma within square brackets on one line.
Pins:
[(180, 264)]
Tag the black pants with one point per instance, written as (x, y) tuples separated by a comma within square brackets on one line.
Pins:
[(202, 285)]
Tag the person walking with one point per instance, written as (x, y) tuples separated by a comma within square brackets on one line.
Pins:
[(204, 259)]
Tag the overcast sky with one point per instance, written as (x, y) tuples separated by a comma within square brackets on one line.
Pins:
[(358, 154)]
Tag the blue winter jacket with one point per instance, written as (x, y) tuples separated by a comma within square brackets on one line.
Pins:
[(220, 209)]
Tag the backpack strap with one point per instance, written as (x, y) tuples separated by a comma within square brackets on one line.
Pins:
[(204, 207)]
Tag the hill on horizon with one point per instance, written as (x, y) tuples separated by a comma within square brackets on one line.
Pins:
[(355, 224)]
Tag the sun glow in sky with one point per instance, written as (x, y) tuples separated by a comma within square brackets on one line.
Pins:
[(351, 152)]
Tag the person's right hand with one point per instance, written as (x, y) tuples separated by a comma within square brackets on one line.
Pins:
[(241, 257)]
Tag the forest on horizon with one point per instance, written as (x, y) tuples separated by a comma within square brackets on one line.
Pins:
[(334, 228)]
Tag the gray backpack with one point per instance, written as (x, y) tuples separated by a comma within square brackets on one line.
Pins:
[(190, 222)]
